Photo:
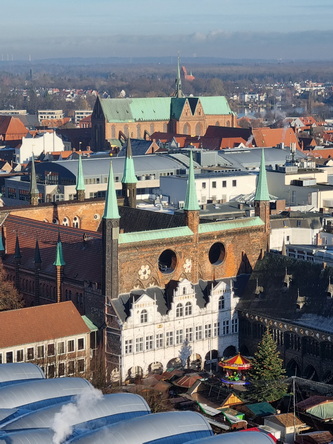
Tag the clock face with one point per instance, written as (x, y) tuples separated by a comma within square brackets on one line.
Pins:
[(144, 272)]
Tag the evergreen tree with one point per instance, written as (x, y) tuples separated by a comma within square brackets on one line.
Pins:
[(266, 375)]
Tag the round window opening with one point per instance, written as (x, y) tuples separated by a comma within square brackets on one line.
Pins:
[(216, 253), (167, 261)]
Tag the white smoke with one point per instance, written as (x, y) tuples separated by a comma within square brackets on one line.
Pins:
[(249, 141), (74, 413)]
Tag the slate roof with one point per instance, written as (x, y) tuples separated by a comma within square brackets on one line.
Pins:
[(140, 147), (73, 247), (40, 323)]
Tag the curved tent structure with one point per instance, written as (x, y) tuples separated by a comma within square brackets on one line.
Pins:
[(108, 409), (27, 392), (166, 428), (35, 436), (237, 438), (20, 371), (237, 362)]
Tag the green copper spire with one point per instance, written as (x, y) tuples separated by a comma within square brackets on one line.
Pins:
[(33, 180), (191, 200), (59, 260), (129, 171), (262, 193), (179, 92), (111, 206), (79, 178)]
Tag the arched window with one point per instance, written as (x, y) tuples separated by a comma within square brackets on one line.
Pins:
[(221, 303), (65, 222), (144, 316), (179, 310), (76, 222), (188, 309)]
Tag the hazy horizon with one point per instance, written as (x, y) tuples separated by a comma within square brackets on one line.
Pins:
[(231, 29)]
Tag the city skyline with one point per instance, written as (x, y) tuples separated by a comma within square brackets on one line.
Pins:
[(222, 29)]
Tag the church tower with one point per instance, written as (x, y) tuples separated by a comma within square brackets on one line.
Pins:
[(110, 227), (261, 198), (191, 207), (59, 263), (129, 179), (34, 193), (179, 93), (80, 186)]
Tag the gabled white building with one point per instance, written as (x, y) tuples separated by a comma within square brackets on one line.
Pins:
[(46, 142), (155, 325)]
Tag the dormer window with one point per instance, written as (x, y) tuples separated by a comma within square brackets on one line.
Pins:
[(179, 310), (221, 303), (144, 317), (188, 309)]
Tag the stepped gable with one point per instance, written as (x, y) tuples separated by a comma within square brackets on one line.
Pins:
[(85, 245), (308, 279)]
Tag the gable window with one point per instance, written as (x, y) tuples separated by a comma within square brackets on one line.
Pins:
[(188, 309), (179, 310), (144, 316), (221, 303)]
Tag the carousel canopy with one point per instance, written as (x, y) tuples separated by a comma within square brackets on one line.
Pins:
[(237, 362)]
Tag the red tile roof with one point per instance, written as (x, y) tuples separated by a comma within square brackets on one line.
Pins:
[(79, 255), (11, 128), (41, 323), (264, 137)]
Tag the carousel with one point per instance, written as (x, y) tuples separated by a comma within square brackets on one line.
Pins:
[(235, 370)]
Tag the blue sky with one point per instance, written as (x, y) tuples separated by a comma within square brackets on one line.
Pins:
[(268, 29)]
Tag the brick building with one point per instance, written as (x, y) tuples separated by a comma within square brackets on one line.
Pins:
[(123, 261)]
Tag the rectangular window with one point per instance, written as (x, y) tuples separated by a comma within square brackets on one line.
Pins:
[(214, 184), (234, 326), (189, 334), (208, 331), (70, 346), (149, 342), (30, 353), (40, 351), (0, 358), (61, 369), (9, 357), (139, 345), (216, 329), (19, 355), (159, 340), (50, 350), (179, 336), (61, 348), (71, 367), (80, 344), (198, 332), (203, 185), (234, 183), (50, 371), (80, 365), (128, 346), (225, 329), (224, 183), (169, 338)]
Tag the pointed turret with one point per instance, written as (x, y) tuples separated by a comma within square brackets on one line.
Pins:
[(262, 193), (80, 186), (59, 263), (191, 207), (178, 93), (110, 227), (261, 198), (34, 193), (129, 179), (17, 254), (191, 199), (37, 256), (111, 206)]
